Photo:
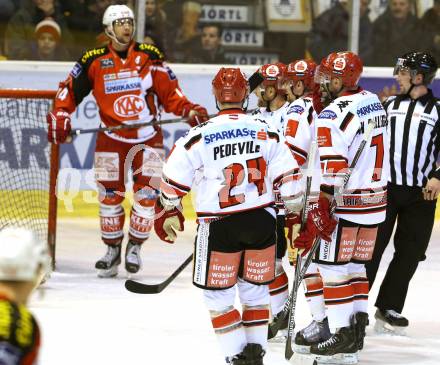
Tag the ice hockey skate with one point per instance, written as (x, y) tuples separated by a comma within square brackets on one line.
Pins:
[(314, 333), (360, 321), (252, 354), (108, 265), (390, 322), (280, 329), (340, 348), (133, 260)]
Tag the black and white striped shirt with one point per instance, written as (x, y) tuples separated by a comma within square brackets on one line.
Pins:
[(414, 138)]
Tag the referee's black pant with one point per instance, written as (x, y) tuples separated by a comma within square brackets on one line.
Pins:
[(415, 219)]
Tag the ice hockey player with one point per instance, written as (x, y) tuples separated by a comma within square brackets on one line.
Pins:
[(272, 100), (240, 159), (131, 84), (361, 206), (300, 117), (23, 262)]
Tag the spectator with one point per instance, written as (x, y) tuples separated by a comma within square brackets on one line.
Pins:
[(330, 31), (156, 24), (431, 23), (7, 8), (395, 32), (46, 46), (20, 30), (187, 33), (207, 48)]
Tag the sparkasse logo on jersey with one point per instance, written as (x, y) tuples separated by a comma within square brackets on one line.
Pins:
[(113, 87), (129, 105)]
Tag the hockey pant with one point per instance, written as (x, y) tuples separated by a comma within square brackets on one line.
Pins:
[(112, 162)]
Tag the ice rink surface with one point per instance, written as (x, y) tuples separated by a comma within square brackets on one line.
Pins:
[(86, 320)]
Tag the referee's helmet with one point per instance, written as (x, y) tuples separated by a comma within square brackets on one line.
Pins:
[(418, 63)]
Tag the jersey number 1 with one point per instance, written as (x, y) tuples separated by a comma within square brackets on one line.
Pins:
[(234, 176), (377, 141)]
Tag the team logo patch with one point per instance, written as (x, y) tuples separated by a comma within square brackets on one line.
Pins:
[(272, 71), (129, 106), (296, 109), (76, 70), (107, 63), (339, 64), (327, 114), (171, 74)]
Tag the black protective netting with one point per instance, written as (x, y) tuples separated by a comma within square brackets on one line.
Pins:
[(24, 164)]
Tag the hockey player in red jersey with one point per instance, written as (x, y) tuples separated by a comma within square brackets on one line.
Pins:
[(360, 208), (24, 260), (131, 84), (300, 118), (240, 160), (272, 101)]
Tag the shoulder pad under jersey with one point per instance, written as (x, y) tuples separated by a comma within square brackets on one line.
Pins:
[(153, 52), (92, 54)]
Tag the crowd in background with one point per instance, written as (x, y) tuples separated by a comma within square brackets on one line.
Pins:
[(62, 30)]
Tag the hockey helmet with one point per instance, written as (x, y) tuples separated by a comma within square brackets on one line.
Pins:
[(302, 70), (113, 13), (347, 66), (418, 63), (274, 75), (23, 256), (230, 85)]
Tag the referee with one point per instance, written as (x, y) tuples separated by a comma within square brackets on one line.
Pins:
[(413, 187)]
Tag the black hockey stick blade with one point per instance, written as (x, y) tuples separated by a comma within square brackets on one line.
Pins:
[(142, 288)]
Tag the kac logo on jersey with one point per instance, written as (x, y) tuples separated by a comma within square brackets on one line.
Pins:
[(327, 114), (76, 70), (117, 86), (129, 105), (296, 109)]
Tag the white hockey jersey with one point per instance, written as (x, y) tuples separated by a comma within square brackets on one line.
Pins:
[(340, 129), (274, 119), (238, 159)]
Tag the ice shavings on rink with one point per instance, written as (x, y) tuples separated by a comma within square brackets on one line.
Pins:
[(87, 320)]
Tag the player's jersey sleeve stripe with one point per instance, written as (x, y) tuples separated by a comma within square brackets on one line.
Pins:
[(293, 174), (193, 140), (346, 121), (274, 136), (171, 187), (299, 154)]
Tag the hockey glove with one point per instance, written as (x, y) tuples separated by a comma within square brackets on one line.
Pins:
[(319, 215), (59, 126), (167, 222), (299, 242), (196, 114)]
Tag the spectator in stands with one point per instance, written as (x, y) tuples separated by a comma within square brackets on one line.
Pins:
[(85, 22), (395, 32), (156, 24), (7, 8), (20, 30), (47, 41), (431, 24), (208, 47), (188, 32), (330, 31)]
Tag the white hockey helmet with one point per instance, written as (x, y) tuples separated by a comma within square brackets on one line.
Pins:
[(23, 256), (115, 12)]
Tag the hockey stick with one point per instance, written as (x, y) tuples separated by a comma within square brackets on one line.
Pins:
[(289, 351), (275, 326), (77, 132), (141, 288)]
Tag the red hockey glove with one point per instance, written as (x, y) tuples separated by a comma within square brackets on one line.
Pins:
[(196, 114), (299, 242), (319, 214), (59, 126), (167, 222)]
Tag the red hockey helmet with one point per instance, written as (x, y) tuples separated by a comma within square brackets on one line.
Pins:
[(346, 65), (230, 85), (274, 75), (302, 70)]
